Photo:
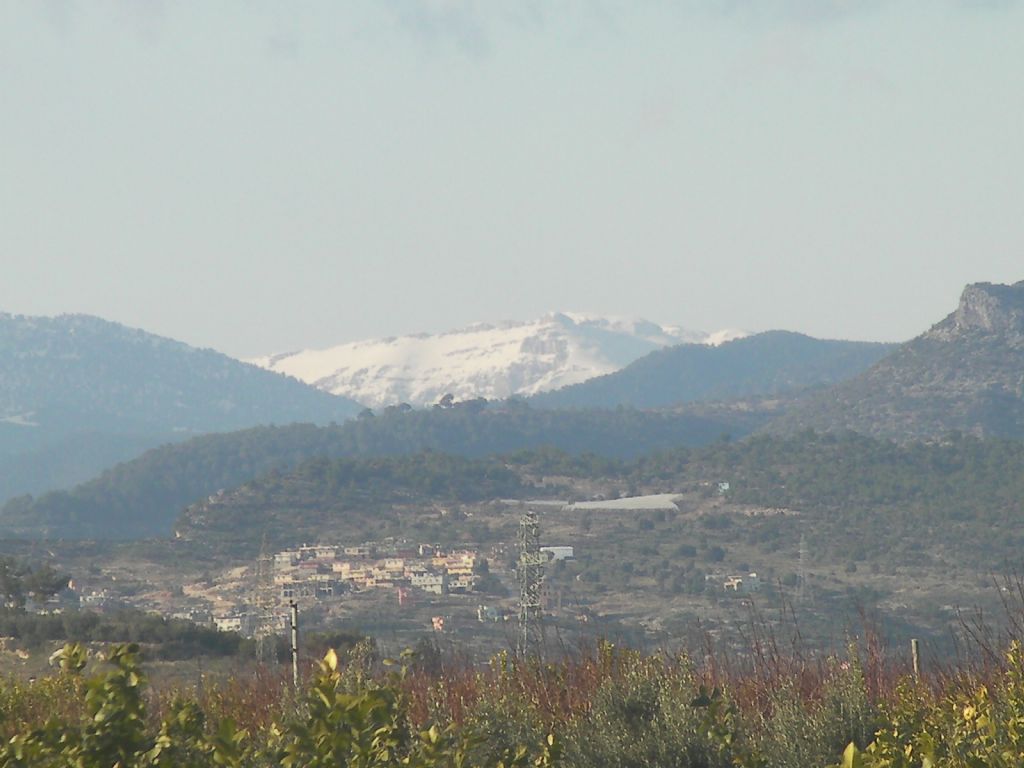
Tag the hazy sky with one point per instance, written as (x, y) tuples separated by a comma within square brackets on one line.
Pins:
[(265, 176)]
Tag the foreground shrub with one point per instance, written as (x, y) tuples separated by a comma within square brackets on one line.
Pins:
[(652, 712), (332, 726), (970, 725), (613, 708), (798, 730)]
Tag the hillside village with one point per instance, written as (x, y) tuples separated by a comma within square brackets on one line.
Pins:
[(321, 574), (326, 570), (403, 583)]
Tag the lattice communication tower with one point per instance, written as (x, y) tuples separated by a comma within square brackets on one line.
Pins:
[(530, 571), (263, 608)]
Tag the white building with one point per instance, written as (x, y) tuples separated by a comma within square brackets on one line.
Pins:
[(286, 559), (237, 622), (429, 581), (559, 553)]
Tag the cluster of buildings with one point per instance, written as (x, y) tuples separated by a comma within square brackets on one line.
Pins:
[(69, 598), (325, 571)]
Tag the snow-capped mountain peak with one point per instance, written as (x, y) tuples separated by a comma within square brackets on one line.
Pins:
[(492, 361)]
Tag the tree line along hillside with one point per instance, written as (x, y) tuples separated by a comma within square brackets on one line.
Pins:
[(860, 498), (765, 364), (855, 499), (143, 497), (343, 498)]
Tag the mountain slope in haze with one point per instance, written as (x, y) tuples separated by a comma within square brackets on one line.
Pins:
[(964, 374), (488, 361), (143, 497), (78, 393), (764, 364)]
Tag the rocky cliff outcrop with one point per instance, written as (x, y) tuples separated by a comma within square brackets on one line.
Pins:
[(964, 374), (986, 309)]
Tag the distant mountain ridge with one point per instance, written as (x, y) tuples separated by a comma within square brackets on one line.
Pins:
[(761, 365), (78, 393), (483, 361), (966, 374)]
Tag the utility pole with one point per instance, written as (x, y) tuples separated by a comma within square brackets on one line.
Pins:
[(295, 643), (530, 572), (801, 576)]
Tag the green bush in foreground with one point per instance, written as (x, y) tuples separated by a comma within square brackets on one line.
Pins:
[(332, 726), (612, 709), (968, 727)]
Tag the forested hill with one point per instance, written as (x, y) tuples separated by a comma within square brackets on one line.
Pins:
[(853, 497), (861, 498), (143, 497), (324, 499), (765, 364), (78, 393)]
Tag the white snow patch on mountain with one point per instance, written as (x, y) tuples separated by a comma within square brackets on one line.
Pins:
[(483, 360)]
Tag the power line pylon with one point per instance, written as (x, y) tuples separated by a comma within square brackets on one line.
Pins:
[(530, 572)]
